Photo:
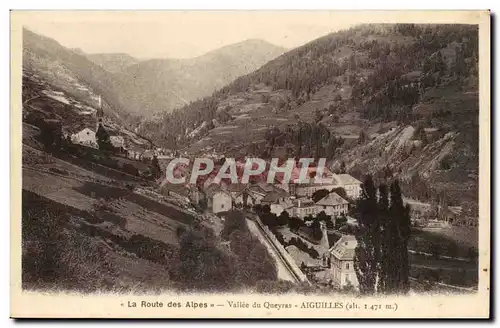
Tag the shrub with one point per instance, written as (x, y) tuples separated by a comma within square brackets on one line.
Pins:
[(130, 169), (234, 221), (301, 245), (274, 287), (445, 163)]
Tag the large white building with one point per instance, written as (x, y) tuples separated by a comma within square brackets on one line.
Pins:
[(333, 205), (351, 185), (307, 190), (342, 262), (330, 181), (218, 200), (86, 137)]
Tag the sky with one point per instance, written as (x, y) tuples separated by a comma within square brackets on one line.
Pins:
[(180, 34), (187, 34)]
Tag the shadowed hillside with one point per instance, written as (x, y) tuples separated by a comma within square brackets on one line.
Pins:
[(158, 85)]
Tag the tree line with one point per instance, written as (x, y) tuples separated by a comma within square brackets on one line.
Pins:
[(381, 255), (386, 93)]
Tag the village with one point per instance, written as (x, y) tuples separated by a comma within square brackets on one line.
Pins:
[(308, 227), (328, 260), (291, 217)]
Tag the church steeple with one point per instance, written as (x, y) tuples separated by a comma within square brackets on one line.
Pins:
[(99, 114)]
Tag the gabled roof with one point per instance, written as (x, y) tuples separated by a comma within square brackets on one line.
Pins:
[(332, 199), (177, 188), (257, 189), (344, 248), (214, 189), (345, 179), (237, 187), (86, 130)]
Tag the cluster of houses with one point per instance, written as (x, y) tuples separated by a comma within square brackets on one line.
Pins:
[(293, 198), (296, 199), (141, 152), (87, 137)]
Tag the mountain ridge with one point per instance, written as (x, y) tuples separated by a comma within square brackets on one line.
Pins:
[(332, 96), (157, 85), (70, 71)]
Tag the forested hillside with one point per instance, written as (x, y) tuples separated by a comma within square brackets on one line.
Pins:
[(131, 88), (381, 71), (71, 73), (159, 85), (388, 99)]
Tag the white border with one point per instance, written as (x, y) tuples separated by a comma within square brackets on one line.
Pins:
[(186, 4)]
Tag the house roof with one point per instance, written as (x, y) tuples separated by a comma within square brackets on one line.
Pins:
[(345, 179), (273, 196), (332, 199), (177, 188), (214, 189), (86, 130), (257, 189), (344, 248), (237, 187)]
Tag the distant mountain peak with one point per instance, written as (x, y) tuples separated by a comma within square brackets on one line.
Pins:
[(164, 84)]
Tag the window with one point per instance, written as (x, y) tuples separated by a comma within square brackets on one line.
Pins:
[(346, 278), (221, 205), (347, 266)]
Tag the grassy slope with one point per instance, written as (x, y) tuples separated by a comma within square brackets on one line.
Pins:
[(107, 236)]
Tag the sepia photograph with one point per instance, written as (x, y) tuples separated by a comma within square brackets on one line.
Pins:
[(298, 160)]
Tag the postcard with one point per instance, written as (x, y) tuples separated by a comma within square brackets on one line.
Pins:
[(250, 164)]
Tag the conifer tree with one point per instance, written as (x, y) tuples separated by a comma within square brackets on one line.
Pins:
[(400, 220), (385, 244), (102, 137), (367, 251), (381, 256), (155, 167)]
